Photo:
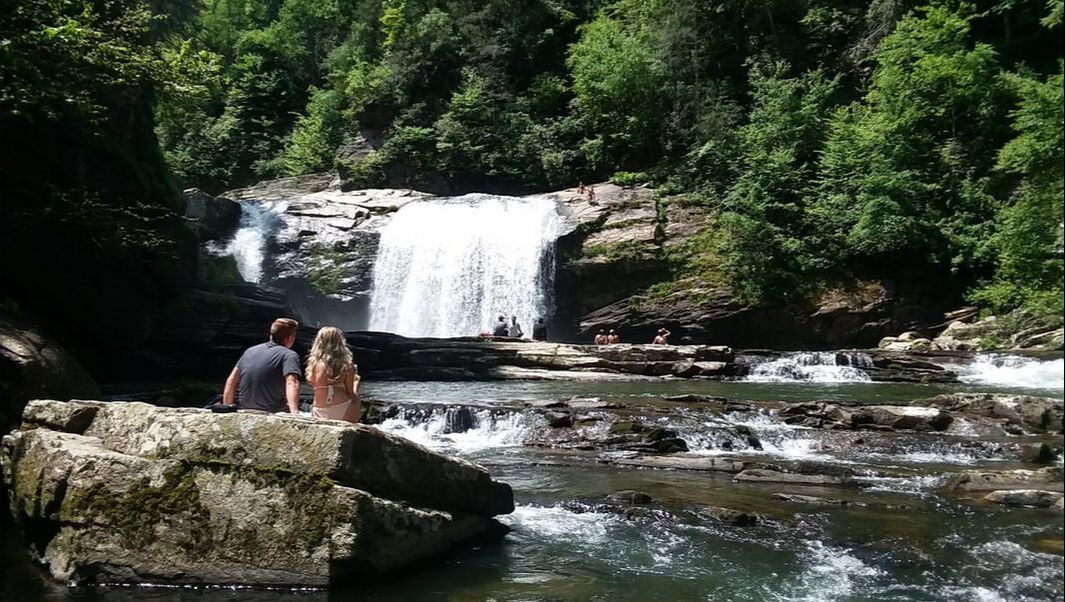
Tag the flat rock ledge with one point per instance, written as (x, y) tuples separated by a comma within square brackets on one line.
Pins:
[(133, 493), (488, 358)]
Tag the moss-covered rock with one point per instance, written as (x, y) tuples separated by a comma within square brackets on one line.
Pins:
[(187, 496)]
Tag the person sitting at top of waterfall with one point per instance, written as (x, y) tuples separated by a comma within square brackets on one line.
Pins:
[(539, 330), (332, 372), (515, 330), (500, 329), (662, 338), (267, 375), (613, 338), (601, 338)]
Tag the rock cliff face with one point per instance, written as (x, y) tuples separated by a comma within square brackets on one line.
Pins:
[(623, 241), (322, 249), (127, 492)]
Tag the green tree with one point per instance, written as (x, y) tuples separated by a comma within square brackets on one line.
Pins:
[(767, 252)]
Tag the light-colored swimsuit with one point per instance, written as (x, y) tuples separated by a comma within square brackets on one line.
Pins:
[(332, 411)]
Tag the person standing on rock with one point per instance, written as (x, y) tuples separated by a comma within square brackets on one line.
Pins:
[(500, 329), (267, 376), (515, 330), (539, 330), (331, 371), (662, 338)]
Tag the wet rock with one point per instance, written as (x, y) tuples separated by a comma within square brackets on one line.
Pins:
[(867, 417), (548, 403), (1049, 478), (629, 496), (186, 496), (695, 398), (684, 463), (1039, 414), (559, 420), (1060, 505), (759, 475), (1024, 497), (1038, 453), (748, 433), (729, 516), (794, 498)]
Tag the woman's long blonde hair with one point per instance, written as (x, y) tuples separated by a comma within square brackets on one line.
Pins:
[(330, 349)]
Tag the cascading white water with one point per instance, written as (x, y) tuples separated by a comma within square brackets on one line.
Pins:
[(1014, 371), (824, 367), (248, 244), (449, 267)]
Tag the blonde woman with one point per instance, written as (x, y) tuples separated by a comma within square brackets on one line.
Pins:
[(331, 371)]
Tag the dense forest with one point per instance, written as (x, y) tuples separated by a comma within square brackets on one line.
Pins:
[(831, 140)]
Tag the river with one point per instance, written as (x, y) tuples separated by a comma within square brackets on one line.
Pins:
[(897, 538)]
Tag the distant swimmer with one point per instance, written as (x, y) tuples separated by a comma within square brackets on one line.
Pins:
[(613, 337), (601, 338), (662, 338)]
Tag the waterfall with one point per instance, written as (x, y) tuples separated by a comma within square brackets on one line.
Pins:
[(248, 244), (827, 367), (1013, 371), (449, 267)]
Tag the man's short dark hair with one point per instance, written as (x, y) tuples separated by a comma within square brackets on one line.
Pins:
[(283, 328)]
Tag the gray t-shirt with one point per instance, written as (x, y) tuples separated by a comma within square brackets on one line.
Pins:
[(263, 369)]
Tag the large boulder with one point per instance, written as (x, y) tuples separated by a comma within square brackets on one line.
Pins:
[(212, 217), (32, 365), (132, 493)]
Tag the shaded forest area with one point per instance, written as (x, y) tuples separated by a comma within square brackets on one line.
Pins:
[(832, 140)]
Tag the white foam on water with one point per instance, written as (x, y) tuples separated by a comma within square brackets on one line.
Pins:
[(817, 366), (490, 430), (449, 267), (1013, 371), (917, 485), (248, 244), (830, 573), (1006, 570)]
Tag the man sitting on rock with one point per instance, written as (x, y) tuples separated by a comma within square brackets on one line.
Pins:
[(268, 374)]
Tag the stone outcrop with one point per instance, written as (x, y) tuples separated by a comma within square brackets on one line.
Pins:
[(133, 493), (475, 358), (322, 248), (1038, 414)]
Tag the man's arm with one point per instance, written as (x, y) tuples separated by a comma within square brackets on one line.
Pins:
[(292, 392), (229, 393)]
